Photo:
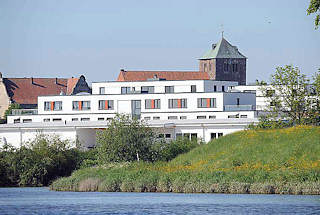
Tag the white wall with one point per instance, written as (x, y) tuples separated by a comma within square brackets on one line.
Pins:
[(20, 136)]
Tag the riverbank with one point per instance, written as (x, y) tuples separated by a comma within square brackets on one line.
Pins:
[(279, 161)]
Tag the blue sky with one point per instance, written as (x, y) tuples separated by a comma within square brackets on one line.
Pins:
[(97, 38)]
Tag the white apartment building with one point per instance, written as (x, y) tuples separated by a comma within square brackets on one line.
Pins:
[(204, 109)]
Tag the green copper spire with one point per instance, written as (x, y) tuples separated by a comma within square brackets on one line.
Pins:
[(223, 49)]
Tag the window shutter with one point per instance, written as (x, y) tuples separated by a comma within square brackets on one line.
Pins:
[(179, 103), (106, 105), (52, 105), (208, 103), (80, 105)]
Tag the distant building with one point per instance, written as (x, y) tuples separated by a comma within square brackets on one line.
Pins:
[(25, 91), (223, 62), (204, 104), (4, 98)]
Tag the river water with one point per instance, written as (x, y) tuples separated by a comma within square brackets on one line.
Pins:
[(42, 201)]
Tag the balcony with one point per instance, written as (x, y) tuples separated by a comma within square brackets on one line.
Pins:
[(239, 107), (17, 112)]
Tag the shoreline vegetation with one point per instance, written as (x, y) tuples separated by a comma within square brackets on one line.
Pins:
[(257, 161)]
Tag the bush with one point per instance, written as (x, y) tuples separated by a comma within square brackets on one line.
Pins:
[(39, 162), (127, 140)]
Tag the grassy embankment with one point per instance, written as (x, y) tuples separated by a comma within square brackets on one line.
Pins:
[(283, 161)]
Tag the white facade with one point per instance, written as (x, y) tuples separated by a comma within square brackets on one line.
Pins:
[(199, 108)]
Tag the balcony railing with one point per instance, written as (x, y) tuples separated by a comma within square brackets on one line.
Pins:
[(15, 112), (239, 107)]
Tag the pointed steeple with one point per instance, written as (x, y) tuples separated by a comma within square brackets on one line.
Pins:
[(223, 49)]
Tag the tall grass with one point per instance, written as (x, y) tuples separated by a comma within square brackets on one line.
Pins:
[(251, 161)]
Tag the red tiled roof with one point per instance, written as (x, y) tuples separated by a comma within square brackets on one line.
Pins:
[(26, 91), (168, 75), (72, 82)]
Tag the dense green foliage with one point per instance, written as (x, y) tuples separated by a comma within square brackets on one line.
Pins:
[(9, 110), (251, 161), (314, 7), (127, 139), (38, 162), (292, 99)]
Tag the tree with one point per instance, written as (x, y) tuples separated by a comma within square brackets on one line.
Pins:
[(314, 7), (125, 139), (10, 108), (290, 96)]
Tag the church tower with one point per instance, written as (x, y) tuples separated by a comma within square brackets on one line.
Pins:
[(224, 62)]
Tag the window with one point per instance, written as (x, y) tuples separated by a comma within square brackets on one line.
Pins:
[(168, 135), (177, 103), (147, 118), (209, 66), (183, 117), (161, 136), (156, 118), (193, 88), (238, 101), (212, 117), (85, 119), (222, 88), (53, 106), (243, 116), (216, 135), (201, 117), (178, 135), (172, 117), (81, 105), (136, 109), (233, 116), (234, 67), (169, 89), (100, 119), (101, 90), (46, 120), (56, 120), (186, 135), (152, 103), (225, 67), (215, 88), (147, 89), (206, 102), (16, 121), (205, 67), (26, 120), (125, 90), (105, 104), (75, 119), (194, 136)]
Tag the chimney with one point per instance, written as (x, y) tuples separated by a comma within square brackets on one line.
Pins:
[(56, 80)]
